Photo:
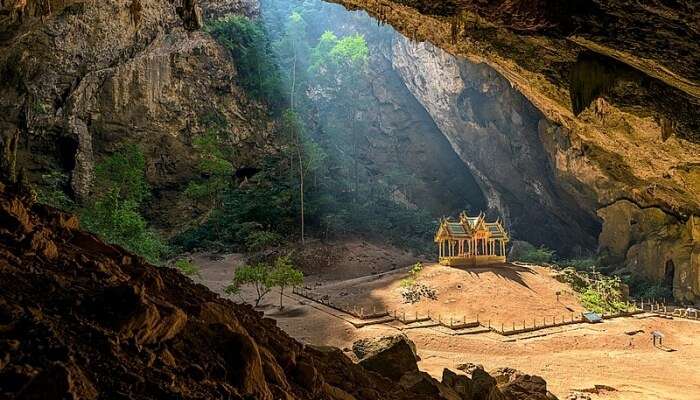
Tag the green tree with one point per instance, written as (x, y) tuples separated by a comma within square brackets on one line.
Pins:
[(214, 155), (251, 50), (258, 275), (285, 275), (340, 66), (113, 213)]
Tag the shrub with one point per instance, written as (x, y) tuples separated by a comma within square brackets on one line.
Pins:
[(260, 240), (581, 264), (113, 214), (52, 191), (642, 288), (413, 291), (598, 293), (535, 255), (187, 267)]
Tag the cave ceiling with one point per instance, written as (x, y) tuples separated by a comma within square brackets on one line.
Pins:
[(622, 77)]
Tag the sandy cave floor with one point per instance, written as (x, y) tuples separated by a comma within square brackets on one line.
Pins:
[(576, 357)]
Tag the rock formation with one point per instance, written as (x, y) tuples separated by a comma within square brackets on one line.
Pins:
[(618, 114), (80, 79), (574, 120), (82, 319)]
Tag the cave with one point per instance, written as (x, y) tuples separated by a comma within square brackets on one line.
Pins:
[(66, 150), (266, 192), (669, 273)]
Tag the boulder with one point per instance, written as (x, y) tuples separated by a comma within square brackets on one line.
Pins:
[(468, 367), (461, 384), (484, 386), (368, 346), (391, 357), (422, 384), (515, 385)]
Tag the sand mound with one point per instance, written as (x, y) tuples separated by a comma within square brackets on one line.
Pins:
[(504, 293)]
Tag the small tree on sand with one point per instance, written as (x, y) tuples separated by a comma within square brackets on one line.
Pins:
[(258, 275), (284, 275)]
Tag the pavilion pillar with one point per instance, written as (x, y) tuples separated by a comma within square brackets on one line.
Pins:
[(503, 248)]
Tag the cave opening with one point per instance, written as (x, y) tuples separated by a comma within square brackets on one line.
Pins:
[(440, 133), (669, 273), (66, 150)]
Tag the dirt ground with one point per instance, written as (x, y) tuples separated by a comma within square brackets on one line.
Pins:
[(613, 360), (503, 294)]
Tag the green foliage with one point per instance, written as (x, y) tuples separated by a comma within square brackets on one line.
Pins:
[(113, 213), (251, 50), (535, 255), (214, 166), (413, 273), (642, 288), (258, 275), (264, 277), (285, 275), (598, 293), (340, 63), (52, 191), (260, 240), (187, 267), (581, 264), (319, 156)]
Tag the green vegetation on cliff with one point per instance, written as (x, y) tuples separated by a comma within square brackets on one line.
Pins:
[(312, 182), (113, 212)]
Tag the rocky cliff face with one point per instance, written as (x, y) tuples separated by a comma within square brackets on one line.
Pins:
[(468, 139), (619, 119), (495, 132), (80, 79)]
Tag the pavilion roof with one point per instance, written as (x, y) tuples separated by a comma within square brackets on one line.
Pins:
[(467, 226)]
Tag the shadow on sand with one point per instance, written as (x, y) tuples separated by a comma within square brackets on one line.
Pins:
[(507, 271)]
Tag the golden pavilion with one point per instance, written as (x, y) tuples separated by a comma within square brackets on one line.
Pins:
[(471, 241)]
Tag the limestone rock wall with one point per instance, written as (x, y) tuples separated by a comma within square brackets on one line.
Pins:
[(494, 130), (83, 78), (632, 132)]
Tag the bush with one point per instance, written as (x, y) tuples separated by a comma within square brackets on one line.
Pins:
[(413, 291), (535, 255), (581, 264), (187, 267), (260, 240), (52, 191), (113, 214), (598, 293), (642, 288)]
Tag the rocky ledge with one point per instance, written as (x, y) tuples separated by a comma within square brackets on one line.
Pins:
[(81, 319)]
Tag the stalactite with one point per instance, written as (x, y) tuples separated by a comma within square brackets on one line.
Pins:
[(591, 77)]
